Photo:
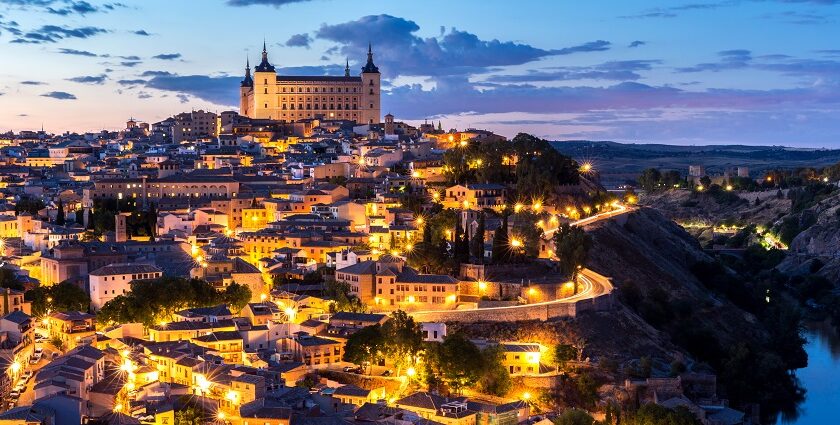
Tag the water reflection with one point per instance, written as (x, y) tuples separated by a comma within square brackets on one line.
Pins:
[(821, 378)]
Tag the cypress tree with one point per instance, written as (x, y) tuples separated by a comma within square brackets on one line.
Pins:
[(478, 239), (500, 242), (59, 216)]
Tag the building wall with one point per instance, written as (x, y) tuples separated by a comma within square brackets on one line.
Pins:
[(349, 98)]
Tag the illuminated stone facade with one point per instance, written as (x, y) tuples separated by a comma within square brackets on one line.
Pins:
[(267, 95)]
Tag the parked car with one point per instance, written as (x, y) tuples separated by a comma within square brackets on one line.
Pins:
[(14, 395), (27, 375), (39, 350), (349, 368), (387, 373)]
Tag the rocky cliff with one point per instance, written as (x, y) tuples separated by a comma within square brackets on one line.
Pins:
[(817, 248)]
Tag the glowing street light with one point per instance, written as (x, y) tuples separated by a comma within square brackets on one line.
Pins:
[(526, 396), (516, 243), (482, 285), (518, 207), (586, 167), (729, 187), (411, 372), (15, 367)]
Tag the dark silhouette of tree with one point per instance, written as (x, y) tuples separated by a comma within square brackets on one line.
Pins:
[(501, 242), (477, 243), (59, 215), (571, 244)]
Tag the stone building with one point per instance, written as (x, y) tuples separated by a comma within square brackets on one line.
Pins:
[(267, 95)]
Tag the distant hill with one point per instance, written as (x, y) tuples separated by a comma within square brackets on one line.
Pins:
[(617, 162)]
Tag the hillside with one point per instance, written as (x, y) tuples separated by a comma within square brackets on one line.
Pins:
[(816, 248), (687, 206)]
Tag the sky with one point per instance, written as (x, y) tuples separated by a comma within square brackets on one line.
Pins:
[(758, 72)]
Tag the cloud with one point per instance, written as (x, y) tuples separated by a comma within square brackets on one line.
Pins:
[(730, 59), (167, 56), (636, 43), (78, 7), (219, 90), (299, 40), (54, 33), (800, 18), (33, 83), (130, 82), (398, 51), (144, 95), (89, 79), (592, 46), (312, 70), (275, 3), (673, 11), (456, 95), (154, 73), (142, 33), (613, 70), (130, 64), (61, 95), (75, 52), (63, 7)]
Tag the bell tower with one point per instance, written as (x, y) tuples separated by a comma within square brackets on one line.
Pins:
[(265, 85), (371, 79)]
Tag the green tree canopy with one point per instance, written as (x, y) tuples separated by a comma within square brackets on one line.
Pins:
[(64, 296), (571, 245), (402, 339), (366, 345), (152, 301)]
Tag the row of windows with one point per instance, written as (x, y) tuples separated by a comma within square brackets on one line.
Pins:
[(317, 106), (315, 99), (312, 89)]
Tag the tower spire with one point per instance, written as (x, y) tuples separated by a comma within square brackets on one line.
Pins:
[(347, 68), (369, 66), (248, 81), (264, 65)]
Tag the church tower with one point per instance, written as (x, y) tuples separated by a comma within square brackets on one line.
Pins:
[(265, 82), (246, 87), (370, 91)]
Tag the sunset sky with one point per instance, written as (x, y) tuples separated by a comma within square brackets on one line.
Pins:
[(751, 72)]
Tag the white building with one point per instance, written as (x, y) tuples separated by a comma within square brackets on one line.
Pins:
[(433, 331), (106, 283)]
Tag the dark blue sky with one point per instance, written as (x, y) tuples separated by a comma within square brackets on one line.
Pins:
[(737, 71)]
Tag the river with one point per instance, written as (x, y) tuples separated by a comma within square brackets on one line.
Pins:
[(821, 378)]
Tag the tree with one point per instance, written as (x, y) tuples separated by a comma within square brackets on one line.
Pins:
[(477, 243), (151, 221), (59, 215), (29, 205), (706, 181), (501, 242), (154, 300), (458, 361), (64, 296), (654, 414), (344, 300), (8, 279), (237, 296), (366, 345), (571, 245), (650, 179), (564, 353), (496, 379), (189, 415), (574, 417), (403, 339)]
